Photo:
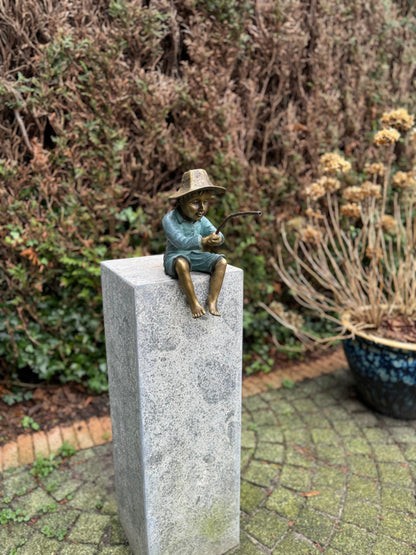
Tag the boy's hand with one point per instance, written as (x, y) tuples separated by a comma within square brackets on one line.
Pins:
[(211, 240)]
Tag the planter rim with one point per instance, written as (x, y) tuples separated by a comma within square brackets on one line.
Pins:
[(348, 325)]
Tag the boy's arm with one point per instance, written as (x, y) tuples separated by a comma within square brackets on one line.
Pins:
[(209, 229)]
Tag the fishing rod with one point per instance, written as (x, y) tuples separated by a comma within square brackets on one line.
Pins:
[(246, 213)]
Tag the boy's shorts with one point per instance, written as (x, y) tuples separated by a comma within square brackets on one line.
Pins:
[(198, 262)]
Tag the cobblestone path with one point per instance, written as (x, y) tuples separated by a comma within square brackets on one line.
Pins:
[(323, 474), (320, 474)]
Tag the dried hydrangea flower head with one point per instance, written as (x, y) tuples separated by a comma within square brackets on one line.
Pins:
[(403, 180), (375, 169), (291, 317), (332, 163), (372, 189), (389, 224), (355, 194), (386, 137), (330, 184), (372, 252), (351, 210), (323, 185), (315, 191), (399, 119), (311, 235), (314, 214)]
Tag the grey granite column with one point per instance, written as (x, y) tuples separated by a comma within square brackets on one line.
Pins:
[(175, 395)]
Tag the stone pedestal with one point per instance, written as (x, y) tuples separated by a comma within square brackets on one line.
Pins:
[(175, 394)]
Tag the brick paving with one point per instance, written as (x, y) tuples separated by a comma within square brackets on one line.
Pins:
[(320, 473), (323, 474)]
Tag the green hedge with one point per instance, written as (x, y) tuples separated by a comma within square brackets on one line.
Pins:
[(104, 106)]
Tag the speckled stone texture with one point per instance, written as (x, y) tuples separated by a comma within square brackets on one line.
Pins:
[(175, 394)]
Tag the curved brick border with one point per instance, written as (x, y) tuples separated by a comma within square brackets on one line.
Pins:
[(96, 431), (260, 383), (80, 434)]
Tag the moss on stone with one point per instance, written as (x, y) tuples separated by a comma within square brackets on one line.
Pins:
[(261, 473), (18, 482), (410, 453), (78, 549), (314, 526), (270, 434), (386, 545), (115, 550), (330, 454), (351, 540), (283, 408), (400, 526), (363, 488), (250, 497), (388, 453), (362, 465), (246, 455), (301, 456), (271, 452), (248, 439), (290, 421), (357, 446), (266, 527), (295, 478), (315, 421), (265, 418), (117, 533), (360, 513), (305, 405), (396, 474), (32, 502), (329, 477), (378, 435), (214, 522), (293, 545), (326, 436), (345, 428), (38, 544), (393, 497), (297, 437), (327, 501), (89, 528), (247, 547), (13, 536), (285, 502), (254, 402)]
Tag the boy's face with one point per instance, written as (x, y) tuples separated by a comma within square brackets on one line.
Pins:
[(195, 206)]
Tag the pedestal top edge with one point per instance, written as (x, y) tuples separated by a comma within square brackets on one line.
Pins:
[(144, 270)]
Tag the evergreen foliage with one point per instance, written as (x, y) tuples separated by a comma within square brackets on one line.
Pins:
[(105, 103)]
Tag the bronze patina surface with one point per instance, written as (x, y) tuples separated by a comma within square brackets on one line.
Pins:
[(190, 235), (192, 238)]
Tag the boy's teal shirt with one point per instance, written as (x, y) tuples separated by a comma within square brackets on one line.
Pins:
[(184, 237)]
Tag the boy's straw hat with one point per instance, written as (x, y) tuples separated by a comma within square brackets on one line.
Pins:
[(196, 180)]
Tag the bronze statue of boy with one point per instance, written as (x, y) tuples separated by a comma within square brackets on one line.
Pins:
[(188, 233)]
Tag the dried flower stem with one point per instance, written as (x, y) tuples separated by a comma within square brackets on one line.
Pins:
[(367, 270)]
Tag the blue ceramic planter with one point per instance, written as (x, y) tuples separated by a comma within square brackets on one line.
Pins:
[(385, 375)]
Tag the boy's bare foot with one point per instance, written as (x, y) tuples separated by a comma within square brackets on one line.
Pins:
[(197, 310), (212, 307)]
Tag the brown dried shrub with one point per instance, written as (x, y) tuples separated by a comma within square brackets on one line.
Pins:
[(104, 105)]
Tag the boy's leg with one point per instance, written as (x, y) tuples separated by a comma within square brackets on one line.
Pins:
[(215, 286), (184, 275)]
